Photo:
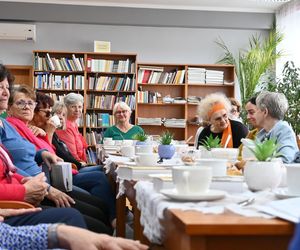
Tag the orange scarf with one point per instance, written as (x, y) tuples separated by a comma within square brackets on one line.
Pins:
[(227, 132)]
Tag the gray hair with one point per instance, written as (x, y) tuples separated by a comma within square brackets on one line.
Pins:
[(121, 105), (209, 101), (58, 106), (275, 103), (73, 98)]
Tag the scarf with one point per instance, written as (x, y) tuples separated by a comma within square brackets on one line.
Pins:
[(40, 142), (226, 133), (7, 163)]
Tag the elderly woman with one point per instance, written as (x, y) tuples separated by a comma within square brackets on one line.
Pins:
[(25, 157), (122, 128), (271, 108), (235, 109), (95, 183), (214, 109), (71, 135)]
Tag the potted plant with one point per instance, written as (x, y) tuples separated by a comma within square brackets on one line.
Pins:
[(252, 64), (210, 142), (141, 138), (265, 172), (166, 150)]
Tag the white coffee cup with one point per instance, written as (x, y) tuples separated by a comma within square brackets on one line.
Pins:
[(127, 151), (127, 142), (108, 141), (191, 179), (55, 119), (218, 166), (146, 159), (293, 178), (147, 148)]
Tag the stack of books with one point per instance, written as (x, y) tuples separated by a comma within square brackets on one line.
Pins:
[(175, 123), (196, 75), (149, 121), (214, 76)]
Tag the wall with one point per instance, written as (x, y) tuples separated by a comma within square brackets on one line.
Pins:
[(167, 36)]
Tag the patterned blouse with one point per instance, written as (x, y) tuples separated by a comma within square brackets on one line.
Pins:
[(24, 237)]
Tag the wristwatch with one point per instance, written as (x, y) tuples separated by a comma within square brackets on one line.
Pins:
[(53, 241)]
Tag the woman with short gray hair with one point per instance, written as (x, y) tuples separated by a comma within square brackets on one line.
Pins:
[(271, 108)]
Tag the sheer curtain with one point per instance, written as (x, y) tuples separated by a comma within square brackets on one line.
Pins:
[(288, 22)]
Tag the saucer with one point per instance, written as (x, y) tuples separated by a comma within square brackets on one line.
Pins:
[(207, 196), (282, 193)]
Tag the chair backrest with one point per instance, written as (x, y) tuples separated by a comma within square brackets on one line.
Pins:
[(15, 204)]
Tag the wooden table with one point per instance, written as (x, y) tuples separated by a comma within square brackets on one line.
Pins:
[(187, 230)]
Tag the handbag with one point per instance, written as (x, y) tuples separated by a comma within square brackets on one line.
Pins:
[(61, 176)]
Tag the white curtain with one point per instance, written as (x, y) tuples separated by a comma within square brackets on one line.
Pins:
[(288, 22)]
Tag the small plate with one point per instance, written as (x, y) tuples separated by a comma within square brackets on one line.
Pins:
[(282, 193), (207, 196)]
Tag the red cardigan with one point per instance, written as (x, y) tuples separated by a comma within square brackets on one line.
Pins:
[(13, 190)]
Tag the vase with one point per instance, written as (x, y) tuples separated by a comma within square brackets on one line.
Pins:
[(166, 151), (261, 175)]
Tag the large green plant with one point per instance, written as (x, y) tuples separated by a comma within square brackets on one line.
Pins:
[(251, 64), (289, 85)]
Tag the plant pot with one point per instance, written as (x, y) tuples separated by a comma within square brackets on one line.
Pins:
[(261, 175), (166, 151), (139, 143)]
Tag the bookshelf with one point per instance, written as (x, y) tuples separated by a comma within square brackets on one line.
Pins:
[(102, 78), (22, 73), (180, 82)]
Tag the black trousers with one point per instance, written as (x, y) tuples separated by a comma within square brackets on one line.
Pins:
[(94, 211), (68, 216)]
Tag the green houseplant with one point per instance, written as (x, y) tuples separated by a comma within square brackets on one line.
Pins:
[(265, 172), (166, 150), (252, 64), (210, 142), (141, 138)]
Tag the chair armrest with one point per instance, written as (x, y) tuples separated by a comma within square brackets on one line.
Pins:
[(15, 204)]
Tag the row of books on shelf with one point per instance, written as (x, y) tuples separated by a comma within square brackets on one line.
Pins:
[(58, 82), (93, 137), (148, 97), (46, 62), (108, 101), (152, 76), (106, 83), (97, 120), (202, 75), (115, 66), (167, 122)]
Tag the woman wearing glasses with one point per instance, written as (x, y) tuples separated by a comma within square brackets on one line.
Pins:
[(122, 129)]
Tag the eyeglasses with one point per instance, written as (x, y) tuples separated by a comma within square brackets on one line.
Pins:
[(22, 104), (121, 112), (46, 111), (233, 111)]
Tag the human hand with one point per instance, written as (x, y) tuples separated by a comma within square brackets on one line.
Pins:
[(37, 131), (60, 198), (35, 189), (15, 212), (77, 239), (50, 127), (49, 158)]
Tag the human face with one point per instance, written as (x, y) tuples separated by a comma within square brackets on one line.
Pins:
[(219, 120), (260, 117), (62, 114), (4, 94), (251, 110), (234, 111), (74, 111), (42, 116), (122, 115), (22, 107)]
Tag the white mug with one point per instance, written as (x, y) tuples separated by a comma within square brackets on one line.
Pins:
[(148, 148), (146, 159), (293, 178), (127, 151), (191, 179), (218, 166), (55, 119)]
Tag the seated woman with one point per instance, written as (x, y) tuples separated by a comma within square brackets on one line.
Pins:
[(96, 183), (235, 109), (25, 156), (122, 128), (71, 135), (214, 108), (271, 108)]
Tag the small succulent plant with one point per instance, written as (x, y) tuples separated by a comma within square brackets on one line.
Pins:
[(141, 136), (166, 138), (210, 142), (263, 151)]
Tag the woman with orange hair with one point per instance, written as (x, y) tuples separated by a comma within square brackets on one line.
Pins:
[(214, 109)]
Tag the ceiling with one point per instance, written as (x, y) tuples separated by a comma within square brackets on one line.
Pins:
[(258, 6)]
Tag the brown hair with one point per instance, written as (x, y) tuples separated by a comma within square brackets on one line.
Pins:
[(235, 102), (29, 92), (43, 101)]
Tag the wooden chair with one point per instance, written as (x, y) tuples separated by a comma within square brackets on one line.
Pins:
[(15, 204)]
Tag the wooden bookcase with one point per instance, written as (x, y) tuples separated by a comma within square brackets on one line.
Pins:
[(102, 79), (178, 86), (22, 73)]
